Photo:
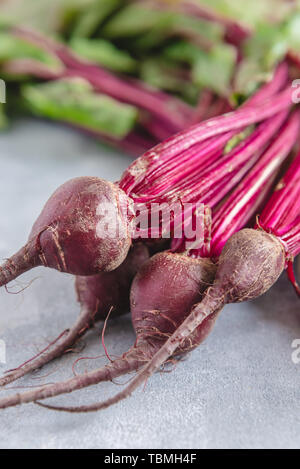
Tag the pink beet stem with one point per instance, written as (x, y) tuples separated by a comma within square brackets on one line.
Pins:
[(221, 187), (265, 92), (202, 154), (284, 203), (234, 164), (191, 162), (233, 215), (278, 81), (238, 156), (281, 216), (196, 134), (292, 240), (220, 190)]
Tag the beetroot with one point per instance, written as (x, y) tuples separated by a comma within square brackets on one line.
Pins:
[(155, 316), (97, 294), (152, 326), (250, 263), (162, 291), (248, 252), (67, 236)]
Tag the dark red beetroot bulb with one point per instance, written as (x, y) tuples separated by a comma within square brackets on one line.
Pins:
[(163, 293), (250, 263), (84, 229)]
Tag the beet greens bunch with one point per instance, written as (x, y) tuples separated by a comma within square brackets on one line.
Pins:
[(133, 73)]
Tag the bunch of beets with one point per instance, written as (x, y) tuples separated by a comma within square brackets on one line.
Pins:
[(242, 168)]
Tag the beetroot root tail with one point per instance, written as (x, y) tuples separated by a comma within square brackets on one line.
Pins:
[(131, 361), (19, 263), (212, 302), (55, 350)]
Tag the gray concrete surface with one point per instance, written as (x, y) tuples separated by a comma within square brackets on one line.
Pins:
[(241, 389)]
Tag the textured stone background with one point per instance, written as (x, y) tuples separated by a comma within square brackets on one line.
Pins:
[(239, 390)]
